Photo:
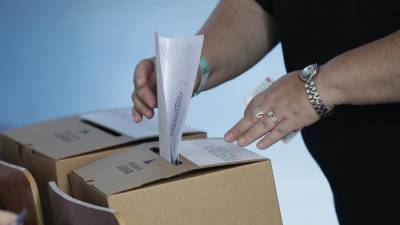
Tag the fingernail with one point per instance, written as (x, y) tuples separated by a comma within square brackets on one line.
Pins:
[(228, 137), (137, 118), (149, 115)]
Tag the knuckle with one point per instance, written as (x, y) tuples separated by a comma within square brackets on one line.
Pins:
[(246, 111), (251, 106), (138, 66), (136, 107), (235, 132), (133, 111), (138, 104), (250, 117), (265, 123), (140, 94), (136, 73), (279, 131), (140, 63), (292, 126), (133, 97)]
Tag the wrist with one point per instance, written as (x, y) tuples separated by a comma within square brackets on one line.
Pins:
[(197, 82), (329, 87), (203, 73)]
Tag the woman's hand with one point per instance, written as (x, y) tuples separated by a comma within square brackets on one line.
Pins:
[(7, 218), (291, 109), (144, 96)]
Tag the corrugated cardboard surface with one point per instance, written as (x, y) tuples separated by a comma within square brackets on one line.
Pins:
[(240, 194), (139, 165), (226, 194), (52, 149), (65, 138), (63, 145), (237, 195)]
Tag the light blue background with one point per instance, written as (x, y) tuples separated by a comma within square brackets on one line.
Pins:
[(64, 57)]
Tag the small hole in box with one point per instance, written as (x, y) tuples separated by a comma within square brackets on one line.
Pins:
[(178, 162), (155, 150)]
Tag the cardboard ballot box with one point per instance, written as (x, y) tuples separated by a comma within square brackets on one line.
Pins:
[(52, 149), (216, 183)]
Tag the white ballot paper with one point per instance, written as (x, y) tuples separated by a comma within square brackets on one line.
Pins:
[(120, 120), (215, 152), (177, 61)]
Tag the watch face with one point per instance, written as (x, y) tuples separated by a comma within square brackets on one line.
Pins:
[(308, 72)]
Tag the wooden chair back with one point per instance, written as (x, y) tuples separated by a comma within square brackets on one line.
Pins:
[(71, 211), (18, 192)]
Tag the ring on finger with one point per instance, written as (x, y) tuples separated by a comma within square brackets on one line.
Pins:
[(272, 116), (259, 113)]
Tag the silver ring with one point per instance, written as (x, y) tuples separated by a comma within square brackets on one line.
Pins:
[(272, 116), (259, 113)]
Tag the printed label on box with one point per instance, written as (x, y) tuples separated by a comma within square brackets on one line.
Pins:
[(215, 152)]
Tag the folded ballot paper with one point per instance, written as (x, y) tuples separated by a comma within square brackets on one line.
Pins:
[(177, 61)]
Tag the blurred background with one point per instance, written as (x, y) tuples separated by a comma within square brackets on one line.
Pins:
[(65, 57)]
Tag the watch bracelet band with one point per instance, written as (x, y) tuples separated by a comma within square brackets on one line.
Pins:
[(204, 74), (315, 99)]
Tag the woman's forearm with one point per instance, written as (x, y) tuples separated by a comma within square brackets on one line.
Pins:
[(237, 35), (369, 74)]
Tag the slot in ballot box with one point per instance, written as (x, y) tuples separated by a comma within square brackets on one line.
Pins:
[(216, 183), (52, 149)]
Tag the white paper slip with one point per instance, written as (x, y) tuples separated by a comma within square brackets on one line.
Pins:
[(121, 120), (215, 152), (177, 61)]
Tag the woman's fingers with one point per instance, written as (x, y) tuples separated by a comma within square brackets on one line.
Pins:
[(273, 113), (277, 133), (137, 116), (144, 95), (147, 96), (259, 129), (236, 131), (142, 108)]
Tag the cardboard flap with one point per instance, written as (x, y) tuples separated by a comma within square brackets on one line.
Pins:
[(216, 152), (140, 165), (121, 121), (128, 169), (76, 135), (65, 137)]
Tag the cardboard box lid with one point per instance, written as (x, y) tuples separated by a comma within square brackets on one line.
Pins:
[(80, 134), (140, 165)]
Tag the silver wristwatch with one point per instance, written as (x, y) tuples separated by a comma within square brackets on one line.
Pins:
[(308, 75)]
